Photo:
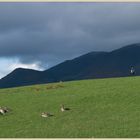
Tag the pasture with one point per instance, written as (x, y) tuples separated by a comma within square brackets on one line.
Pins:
[(102, 108)]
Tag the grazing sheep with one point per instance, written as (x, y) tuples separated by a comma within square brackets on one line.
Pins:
[(3, 110), (64, 109), (46, 114), (132, 71)]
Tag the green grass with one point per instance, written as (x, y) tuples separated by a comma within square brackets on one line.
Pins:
[(103, 108)]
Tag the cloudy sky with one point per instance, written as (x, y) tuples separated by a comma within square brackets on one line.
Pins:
[(41, 35)]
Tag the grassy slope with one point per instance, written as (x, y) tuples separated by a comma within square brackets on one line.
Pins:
[(99, 108)]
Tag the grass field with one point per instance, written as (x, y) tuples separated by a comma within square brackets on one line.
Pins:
[(103, 108)]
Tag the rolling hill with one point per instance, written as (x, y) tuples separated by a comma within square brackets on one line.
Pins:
[(116, 63), (99, 108)]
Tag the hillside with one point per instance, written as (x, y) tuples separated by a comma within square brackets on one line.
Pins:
[(103, 108), (116, 63)]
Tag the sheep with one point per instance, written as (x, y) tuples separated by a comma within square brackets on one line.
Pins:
[(3, 110), (46, 114), (64, 109)]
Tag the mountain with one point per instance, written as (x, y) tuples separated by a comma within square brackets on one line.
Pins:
[(116, 63), (20, 77)]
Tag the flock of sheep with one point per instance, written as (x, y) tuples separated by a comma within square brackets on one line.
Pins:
[(4, 110)]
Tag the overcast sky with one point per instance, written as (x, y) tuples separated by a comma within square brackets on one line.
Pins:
[(41, 35)]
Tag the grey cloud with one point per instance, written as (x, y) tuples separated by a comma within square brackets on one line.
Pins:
[(50, 33)]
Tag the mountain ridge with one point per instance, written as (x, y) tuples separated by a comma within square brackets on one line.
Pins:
[(115, 63)]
